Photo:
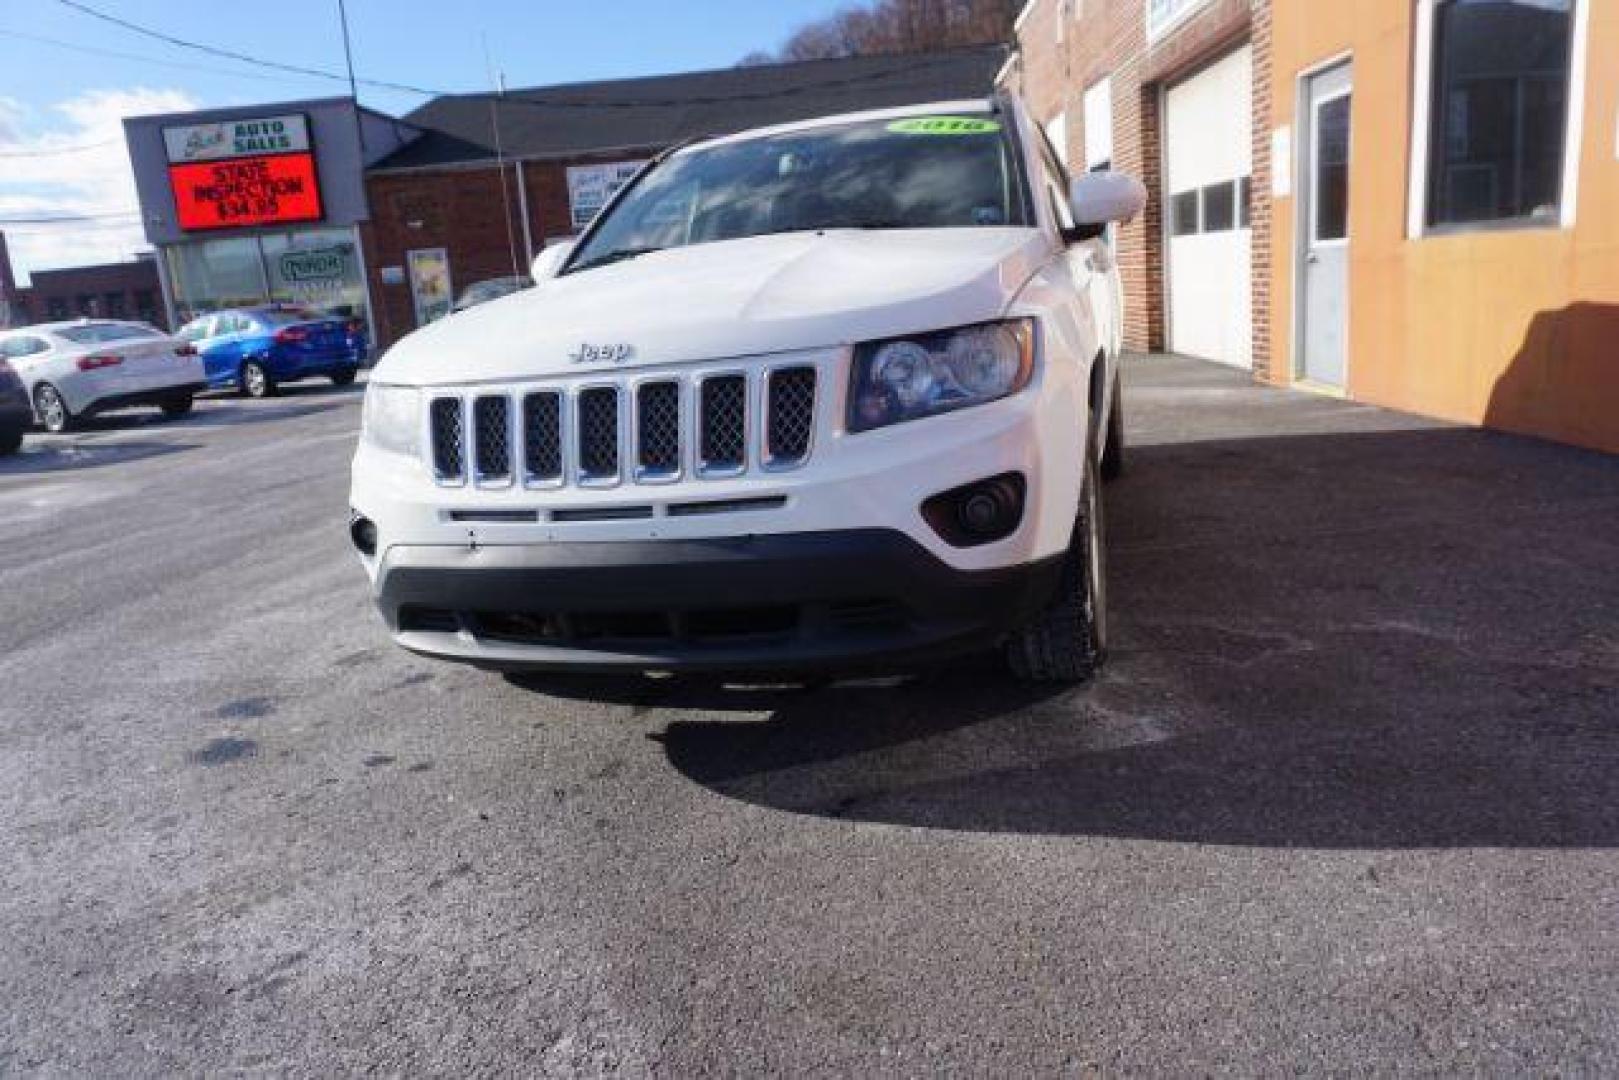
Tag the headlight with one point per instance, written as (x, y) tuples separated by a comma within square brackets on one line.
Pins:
[(907, 379), (392, 418)]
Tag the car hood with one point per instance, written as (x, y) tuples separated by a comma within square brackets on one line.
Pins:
[(753, 296)]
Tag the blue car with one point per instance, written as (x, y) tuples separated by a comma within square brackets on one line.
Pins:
[(258, 349)]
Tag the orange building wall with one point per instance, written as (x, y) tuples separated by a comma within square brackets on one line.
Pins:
[(1518, 330)]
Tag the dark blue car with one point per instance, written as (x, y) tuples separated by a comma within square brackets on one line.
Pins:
[(258, 349)]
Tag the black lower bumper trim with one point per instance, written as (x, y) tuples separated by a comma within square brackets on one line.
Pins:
[(854, 599), (160, 396)]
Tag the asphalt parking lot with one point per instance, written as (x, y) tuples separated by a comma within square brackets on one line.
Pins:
[(1346, 800)]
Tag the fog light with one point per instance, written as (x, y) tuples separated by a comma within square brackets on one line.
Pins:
[(979, 513), (363, 532)]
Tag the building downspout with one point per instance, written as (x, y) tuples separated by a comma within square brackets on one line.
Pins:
[(522, 205)]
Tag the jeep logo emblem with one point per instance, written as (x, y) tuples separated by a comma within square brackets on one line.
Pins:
[(602, 354)]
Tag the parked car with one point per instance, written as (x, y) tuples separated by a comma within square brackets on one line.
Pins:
[(257, 350), (482, 292), (830, 396), (76, 369), (16, 416)]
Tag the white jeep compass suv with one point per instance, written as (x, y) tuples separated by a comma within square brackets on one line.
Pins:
[(824, 397)]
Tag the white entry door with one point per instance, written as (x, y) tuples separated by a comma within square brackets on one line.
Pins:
[(1208, 142), (1324, 220)]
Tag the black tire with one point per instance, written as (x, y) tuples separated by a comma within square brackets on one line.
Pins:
[(54, 415), (345, 378), (177, 407), (255, 380), (1067, 642), (10, 442), (1113, 448)]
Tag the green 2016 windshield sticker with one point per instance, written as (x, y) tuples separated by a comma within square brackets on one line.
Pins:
[(944, 125)]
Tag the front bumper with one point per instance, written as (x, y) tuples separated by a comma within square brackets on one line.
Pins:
[(863, 599)]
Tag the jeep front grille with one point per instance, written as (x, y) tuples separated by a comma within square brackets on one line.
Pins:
[(491, 439), (449, 460), (724, 419), (598, 434), (709, 424)]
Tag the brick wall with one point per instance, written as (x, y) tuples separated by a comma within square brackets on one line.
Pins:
[(1260, 209), (126, 290), (465, 211), (1059, 61)]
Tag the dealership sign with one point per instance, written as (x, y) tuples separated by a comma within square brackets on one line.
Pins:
[(245, 192), (591, 186), (237, 138), (237, 174)]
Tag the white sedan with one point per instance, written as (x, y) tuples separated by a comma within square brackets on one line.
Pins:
[(77, 369)]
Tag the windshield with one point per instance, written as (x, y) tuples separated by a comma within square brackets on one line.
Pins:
[(99, 333), (936, 172)]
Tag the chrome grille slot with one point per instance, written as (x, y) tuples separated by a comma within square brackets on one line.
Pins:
[(657, 431), (598, 434), (606, 429), (542, 437), (789, 416), (491, 439), (723, 423), (449, 443)]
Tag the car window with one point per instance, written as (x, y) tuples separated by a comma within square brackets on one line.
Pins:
[(1056, 180), (194, 331), (943, 172), (18, 347), (100, 333)]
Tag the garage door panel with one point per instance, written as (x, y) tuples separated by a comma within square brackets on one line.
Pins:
[(1208, 156)]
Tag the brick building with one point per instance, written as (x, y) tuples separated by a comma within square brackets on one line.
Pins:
[(1163, 89), (444, 215), (122, 290)]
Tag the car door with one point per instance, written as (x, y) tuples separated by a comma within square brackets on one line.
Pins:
[(1091, 269), (219, 349)]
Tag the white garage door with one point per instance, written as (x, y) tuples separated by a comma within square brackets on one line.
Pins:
[(1209, 160)]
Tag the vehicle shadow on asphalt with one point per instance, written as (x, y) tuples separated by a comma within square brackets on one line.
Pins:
[(36, 458), (1380, 640)]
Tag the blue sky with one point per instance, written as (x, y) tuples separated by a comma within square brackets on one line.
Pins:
[(60, 142)]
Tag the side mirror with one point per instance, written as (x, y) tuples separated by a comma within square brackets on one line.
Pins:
[(1102, 198), (550, 260)]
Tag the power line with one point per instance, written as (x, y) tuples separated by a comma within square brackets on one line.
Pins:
[(548, 102), (63, 219), (137, 57), (229, 54), (54, 151)]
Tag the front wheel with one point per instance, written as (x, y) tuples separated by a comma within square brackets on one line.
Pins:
[(256, 381), (1067, 642), (177, 407), (52, 411), (10, 442), (1113, 448), (344, 378)]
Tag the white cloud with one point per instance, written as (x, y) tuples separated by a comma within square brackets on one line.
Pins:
[(94, 180)]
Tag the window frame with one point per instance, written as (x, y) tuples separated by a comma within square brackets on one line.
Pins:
[(1158, 30), (1423, 70)]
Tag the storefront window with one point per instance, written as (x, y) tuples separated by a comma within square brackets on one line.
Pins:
[(213, 274), (317, 268)]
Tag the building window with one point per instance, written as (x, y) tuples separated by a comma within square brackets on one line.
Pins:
[(1220, 207), (56, 308), (1099, 126), (1183, 215), (1331, 200), (1500, 83), (1164, 15), (115, 306)]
